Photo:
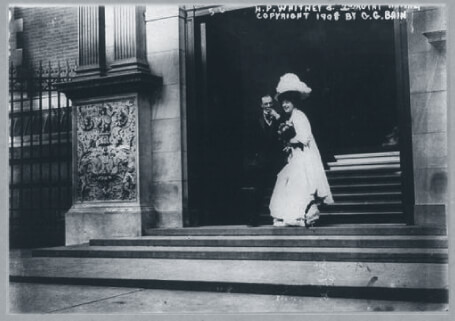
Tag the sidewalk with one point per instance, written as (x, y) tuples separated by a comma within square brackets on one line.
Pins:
[(44, 298), (63, 298)]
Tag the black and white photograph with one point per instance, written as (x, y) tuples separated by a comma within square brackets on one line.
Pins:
[(229, 159)]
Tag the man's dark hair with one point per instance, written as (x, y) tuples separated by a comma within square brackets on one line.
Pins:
[(266, 95)]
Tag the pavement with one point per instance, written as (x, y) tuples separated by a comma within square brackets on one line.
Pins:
[(59, 299), (76, 299)]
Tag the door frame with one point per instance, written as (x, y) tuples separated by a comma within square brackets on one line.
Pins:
[(404, 118)]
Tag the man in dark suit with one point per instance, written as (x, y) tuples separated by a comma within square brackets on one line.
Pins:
[(268, 158)]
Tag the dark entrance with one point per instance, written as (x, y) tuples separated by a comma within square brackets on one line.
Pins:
[(350, 67)]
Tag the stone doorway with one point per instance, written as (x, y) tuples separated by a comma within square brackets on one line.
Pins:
[(238, 58)]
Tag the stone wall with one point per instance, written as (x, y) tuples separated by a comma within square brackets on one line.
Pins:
[(428, 96), (166, 57)]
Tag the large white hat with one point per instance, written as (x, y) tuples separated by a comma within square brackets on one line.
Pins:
[(291, 82)]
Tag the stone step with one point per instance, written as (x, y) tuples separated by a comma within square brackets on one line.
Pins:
[(366, 196), (367, 155), (363, 206), (365, 177), (338, 187), (326, 212), (423, 282), (367, 167), (345, 229), (403, 255), (391, 183), (365, 161), (359, 241), (360, 218), (363, 196), (366, 213)]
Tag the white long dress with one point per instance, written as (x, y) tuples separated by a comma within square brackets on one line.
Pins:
[(301, 177)]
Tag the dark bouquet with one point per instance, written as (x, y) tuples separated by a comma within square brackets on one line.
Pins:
[(286, 131)]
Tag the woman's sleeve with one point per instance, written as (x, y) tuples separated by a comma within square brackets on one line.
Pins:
[(302, 129)]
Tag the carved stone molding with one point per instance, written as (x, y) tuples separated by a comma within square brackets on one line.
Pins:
[(106, 151), (436, 38)]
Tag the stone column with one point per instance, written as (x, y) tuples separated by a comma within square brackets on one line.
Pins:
[(92, 53), (166, 56), (112, 125), (126, 42), (428, 93)]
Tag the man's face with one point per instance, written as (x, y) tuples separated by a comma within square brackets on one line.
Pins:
[(267, 103)]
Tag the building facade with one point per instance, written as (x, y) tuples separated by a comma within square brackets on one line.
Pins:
[(163, 98)]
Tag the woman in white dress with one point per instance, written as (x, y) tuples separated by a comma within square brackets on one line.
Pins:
[(302, 184)]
